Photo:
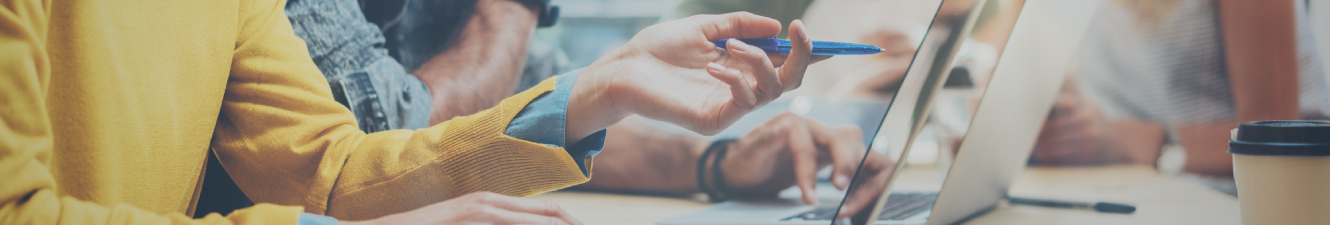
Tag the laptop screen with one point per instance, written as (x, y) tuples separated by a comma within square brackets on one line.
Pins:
[(937, 56), (930, 110)]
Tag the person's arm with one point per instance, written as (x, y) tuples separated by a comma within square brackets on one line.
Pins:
[(1077, 134), (28, 193), (286, 141), (642, 158), (1260, 50), (782, 152), (483, 65)]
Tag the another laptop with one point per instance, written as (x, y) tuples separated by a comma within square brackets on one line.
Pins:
[(1000, 136)]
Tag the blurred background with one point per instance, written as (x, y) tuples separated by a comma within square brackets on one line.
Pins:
[(589, 28), (1152, 78), (1154, 85)]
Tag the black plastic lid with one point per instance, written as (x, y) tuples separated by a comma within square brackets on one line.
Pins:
[(1282, 138)]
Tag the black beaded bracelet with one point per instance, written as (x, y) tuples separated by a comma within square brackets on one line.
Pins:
[(717, 149)]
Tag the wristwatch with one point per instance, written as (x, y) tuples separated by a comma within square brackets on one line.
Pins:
[(549, 13)]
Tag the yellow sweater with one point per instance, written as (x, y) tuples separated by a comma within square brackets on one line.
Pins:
[(110, 108)]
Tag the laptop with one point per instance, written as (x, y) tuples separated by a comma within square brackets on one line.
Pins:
[(1000, 136)]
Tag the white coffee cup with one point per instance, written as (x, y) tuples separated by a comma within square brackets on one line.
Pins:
[(1282, 170)]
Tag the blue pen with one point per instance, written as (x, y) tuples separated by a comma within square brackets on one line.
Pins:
[(819, 47)]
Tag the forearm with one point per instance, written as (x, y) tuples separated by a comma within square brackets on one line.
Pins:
[(1261, 54), (591, 108), (1260, 49), (483, 66), (427, 166), (641, 158), (328, 165)]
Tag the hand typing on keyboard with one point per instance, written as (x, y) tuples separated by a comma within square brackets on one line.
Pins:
[(898, 206), (868, 186), (789, 150)]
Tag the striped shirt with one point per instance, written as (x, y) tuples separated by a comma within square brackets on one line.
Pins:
[(1171, 69)]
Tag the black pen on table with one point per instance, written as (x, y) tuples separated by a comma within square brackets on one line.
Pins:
[(1106, 207)]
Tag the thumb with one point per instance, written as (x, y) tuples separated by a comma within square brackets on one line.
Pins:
[(792, 71)]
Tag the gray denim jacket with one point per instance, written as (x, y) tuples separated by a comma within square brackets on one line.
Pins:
[(350, 52)]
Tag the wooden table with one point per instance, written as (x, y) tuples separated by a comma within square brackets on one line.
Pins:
[(1159, 199)]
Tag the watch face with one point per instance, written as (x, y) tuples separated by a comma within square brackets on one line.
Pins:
[(548, 16)]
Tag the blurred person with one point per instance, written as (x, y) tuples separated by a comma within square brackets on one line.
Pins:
[(480, 62), (1187, 72), (1077, 133), (114, 125)]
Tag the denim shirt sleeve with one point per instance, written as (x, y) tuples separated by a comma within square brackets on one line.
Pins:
[(544, 120), (313, 219)]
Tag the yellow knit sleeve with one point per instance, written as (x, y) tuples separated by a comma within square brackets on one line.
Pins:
[(284, 140), (27, 187), (463, 155)]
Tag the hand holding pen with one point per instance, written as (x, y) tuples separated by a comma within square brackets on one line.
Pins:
[(772, 45)]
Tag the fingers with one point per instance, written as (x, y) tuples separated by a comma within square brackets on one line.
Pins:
[(804, 152), (736, 25), (819, 58), (878, 169), (792, 71), (523, 208), (740, 88), (847, 150), (496, 215), (778, 59), (809, 141), (768, 84), (863, 197), (844, 145)]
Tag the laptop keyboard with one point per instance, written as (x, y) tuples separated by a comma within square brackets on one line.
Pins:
[(899, 206)]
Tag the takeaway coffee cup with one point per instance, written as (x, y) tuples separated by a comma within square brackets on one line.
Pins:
[(1282, 170)]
